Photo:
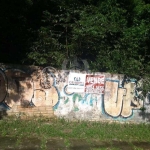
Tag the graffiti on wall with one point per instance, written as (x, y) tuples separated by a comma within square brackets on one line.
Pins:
[(121, 101), (19, 88), (80, 106), (48, 86)]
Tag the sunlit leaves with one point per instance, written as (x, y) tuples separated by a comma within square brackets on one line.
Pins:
[(111, 35)]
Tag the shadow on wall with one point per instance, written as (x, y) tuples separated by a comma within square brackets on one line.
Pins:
[(3, 113), (34, 87), (145, 111), (145, 116), (15, 87), (3, 110)]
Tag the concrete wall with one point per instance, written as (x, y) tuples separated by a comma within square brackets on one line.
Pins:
[(34, 90)]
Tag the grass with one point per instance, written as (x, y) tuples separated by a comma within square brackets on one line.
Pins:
[(59, 128)]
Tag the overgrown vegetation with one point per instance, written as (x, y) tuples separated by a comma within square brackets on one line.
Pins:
[(111, 35), (45, 129)]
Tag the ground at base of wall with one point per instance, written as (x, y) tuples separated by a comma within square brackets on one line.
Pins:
[(11, 143), (59, 134), (28, 118)]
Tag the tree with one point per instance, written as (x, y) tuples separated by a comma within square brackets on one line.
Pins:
[(115, 37), (111, 35), (54, 42), (13, 30)]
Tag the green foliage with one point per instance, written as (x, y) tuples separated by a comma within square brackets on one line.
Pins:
[(55, 37), (111, 35), (61, 128)]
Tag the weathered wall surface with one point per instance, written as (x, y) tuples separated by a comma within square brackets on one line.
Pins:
[(36, 90)]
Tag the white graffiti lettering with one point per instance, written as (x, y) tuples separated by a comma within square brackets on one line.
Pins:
[(95, 80)]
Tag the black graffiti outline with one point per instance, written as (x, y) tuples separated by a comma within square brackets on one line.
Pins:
[(2, 72)]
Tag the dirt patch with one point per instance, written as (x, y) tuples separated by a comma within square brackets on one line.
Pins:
[(12, 143), (144, 145)]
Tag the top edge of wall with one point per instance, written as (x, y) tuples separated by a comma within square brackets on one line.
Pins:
[(34, 67)]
